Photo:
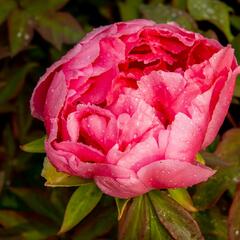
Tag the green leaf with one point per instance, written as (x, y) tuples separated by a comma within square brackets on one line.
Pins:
[(212, 223), (15, 80), (39, 6), (229, 151), (181, 196), (175, 219), (6, 8), (36, 146), (9, 218), (81, 203), (121, 205), (235, 21), (205, 197), (20, 31), (229, 148), (234, 217), (37, 201), (58, 28), (140, 221), (129, 9), (213, 11), (162, 14), (59, 179)]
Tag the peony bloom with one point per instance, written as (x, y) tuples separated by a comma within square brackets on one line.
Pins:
[(131, 105)]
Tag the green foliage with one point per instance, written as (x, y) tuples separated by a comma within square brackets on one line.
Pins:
[(81, 203), (34, 34), (213, 11)]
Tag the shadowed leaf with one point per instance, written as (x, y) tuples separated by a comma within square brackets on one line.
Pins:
[(121, 205), (58, 28), (20, 30), (6, 8), (234, 217)]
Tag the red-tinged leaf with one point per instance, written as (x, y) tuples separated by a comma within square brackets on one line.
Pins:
[(174, 217), (229, 148), (39, 6), (140, 221), (6, 8), (20, 30), (81, 203), (58, 28), (234, 217), (9, 218), (121, 205)]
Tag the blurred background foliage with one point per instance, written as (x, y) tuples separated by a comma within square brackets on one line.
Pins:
[(34, 34)]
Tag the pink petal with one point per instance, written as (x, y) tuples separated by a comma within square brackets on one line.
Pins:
[(185, 139), (41, 90), (141, 154), (173, 174), (122, 188), (221, 108)]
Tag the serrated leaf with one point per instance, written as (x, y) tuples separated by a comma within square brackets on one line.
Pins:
[(20, 30), (121, 205), (15, 80), (81, 203), (140, 221), (39, 6), (59, 179), (161, 13), (234, 217), (181, 196), (175, 218), (58, 28), (36, 146), (6, 8), (213, 11)]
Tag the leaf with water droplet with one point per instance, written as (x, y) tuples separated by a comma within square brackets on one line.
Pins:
[(213, 11), (20, 30), (174, 217), (162, 14), (234, 217), (58, 28), (139, 221)]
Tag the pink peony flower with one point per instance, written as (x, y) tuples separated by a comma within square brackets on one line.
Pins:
[(131, 105)]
